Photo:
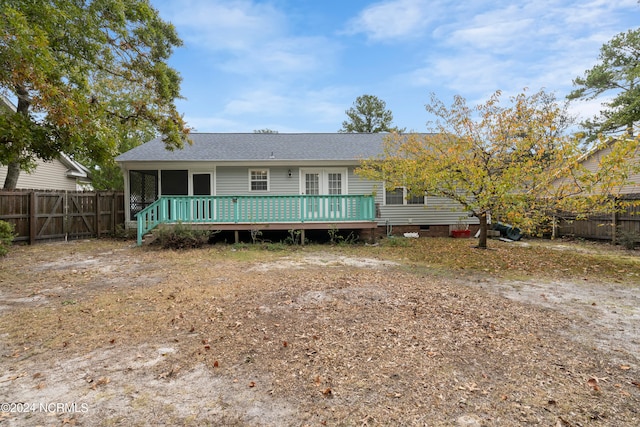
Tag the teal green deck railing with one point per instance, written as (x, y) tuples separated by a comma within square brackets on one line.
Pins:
[(255, 209)]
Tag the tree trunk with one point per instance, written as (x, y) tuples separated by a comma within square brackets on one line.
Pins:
[(482, 239), (13, 168), (13, 173)]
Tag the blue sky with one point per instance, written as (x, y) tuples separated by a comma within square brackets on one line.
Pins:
[(297, 65)]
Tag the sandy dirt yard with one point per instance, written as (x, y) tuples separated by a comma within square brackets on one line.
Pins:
[(102, 333)]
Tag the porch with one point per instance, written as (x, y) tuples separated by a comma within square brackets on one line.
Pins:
[(275, 212)]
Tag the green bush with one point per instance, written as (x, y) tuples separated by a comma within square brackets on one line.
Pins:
[(293, 238), (394, 241), (335, 238), (628, 239), (6, 237), (181, 237)]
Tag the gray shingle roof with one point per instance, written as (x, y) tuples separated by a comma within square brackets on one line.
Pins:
[(263, 146)]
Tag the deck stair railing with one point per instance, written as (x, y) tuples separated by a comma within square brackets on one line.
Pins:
[(255, 210)]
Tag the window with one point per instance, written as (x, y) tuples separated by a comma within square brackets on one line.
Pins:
[(395, 196), (201, 184), (174, 182), (415, 200), (400, 196), (335, 183), (259, 180)]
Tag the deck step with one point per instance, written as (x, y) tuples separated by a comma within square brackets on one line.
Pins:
[(149, 238)]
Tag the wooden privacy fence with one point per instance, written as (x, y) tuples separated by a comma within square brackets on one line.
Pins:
[(608, 226), (57, 215)]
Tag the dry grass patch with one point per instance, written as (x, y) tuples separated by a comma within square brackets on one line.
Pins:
[(226, 335), (543, 259)]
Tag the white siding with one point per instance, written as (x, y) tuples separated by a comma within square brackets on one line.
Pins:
[(633, 182), (281, 183), (46, 176), (358, 185), (437, 211), (592, 163), (231, 181), (234, 180)]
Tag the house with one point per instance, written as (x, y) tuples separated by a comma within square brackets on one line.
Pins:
[(623, 194), (62, 173), (596, 158), (274, 181), (616, 155)]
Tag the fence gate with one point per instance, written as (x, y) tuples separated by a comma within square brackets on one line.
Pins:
[(55, 215)]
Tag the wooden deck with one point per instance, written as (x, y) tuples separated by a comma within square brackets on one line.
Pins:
[(272, 212)]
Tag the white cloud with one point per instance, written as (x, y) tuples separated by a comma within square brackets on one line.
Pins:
[(250, 38), (252, 64), (226, 25), (587, 109), (394, 19), (532, 44), (261, 101), (497, 36), (464, 74), (212, 124), (267, 104)]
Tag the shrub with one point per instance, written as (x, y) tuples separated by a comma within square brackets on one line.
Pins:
[(123, 233), (628, 239), (181, 237), (293, 238), (394, 241), (6, 237), (335, 238)]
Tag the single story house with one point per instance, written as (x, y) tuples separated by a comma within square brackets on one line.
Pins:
[(275, 181)]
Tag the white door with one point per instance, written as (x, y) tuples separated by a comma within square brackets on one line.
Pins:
[(312, 182), (323, 182), (335, 206), (311, 186)]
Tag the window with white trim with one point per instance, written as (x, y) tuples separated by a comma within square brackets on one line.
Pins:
[(259, 180), (401, 196), (335, 183), (394, 197)]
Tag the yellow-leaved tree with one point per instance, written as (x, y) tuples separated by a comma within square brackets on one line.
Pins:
[(512, 163)]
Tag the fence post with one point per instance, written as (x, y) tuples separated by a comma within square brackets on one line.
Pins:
[(614, 220), (113, 213), (98, 210), (32, 218), (65, 214)]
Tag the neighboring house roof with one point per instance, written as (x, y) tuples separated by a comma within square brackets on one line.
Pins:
[(263, 146), (76, 170), (6, 105)]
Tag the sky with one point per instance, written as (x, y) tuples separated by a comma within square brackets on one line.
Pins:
[(298, 65)]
